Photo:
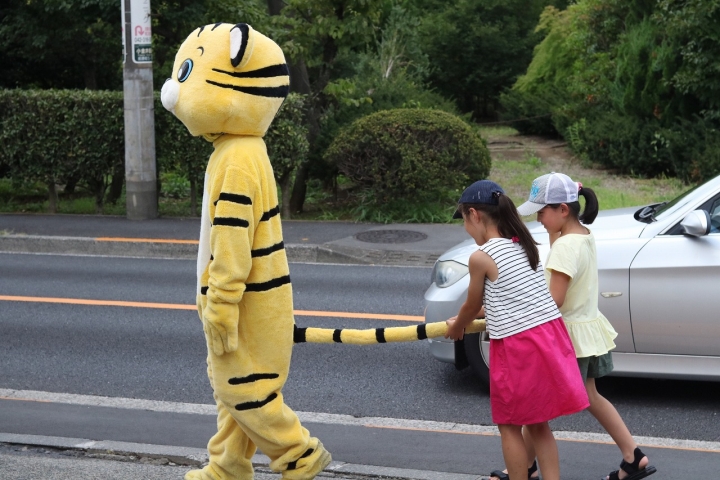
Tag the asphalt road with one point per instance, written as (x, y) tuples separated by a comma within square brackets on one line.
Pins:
[(159, 354)]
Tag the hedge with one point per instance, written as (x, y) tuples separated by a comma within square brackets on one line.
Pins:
[(62, 137)]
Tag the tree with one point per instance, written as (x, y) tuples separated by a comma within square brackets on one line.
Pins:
[(314, 35), (479, 47), (60, 44)]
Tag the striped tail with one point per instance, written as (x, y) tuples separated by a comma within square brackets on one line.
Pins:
[(373, 336)]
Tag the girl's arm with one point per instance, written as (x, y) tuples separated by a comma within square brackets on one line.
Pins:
[(478, 267), (559, 284)]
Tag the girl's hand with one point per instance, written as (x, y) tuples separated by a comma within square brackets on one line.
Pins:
[(481, 313), (454, 330)]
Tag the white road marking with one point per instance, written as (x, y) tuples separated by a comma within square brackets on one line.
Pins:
[(339, 419)]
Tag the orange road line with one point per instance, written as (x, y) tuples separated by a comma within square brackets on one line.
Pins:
[(26, 399), (178, 306), (103, 303), (369, 316), (147, 240)]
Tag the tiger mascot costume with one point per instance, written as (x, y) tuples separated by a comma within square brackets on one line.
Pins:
[(228, 83)]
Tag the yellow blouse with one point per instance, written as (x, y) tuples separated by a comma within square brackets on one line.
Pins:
[(575, 256)]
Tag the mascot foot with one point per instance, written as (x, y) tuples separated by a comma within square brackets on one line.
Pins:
[(308, 467), (194, 475), (209, 473)]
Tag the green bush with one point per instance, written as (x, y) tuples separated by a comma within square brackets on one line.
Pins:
[(410, 155), (624, 143), (694, 150), (53, 136), (64, 137)]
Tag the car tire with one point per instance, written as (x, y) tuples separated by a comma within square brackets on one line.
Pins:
[(475, 357)]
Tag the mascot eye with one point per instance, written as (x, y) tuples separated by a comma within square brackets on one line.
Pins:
[(185, 70)]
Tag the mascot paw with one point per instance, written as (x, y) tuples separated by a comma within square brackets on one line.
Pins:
[(221, 327)]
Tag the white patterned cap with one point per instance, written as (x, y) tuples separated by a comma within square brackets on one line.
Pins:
[(550, 189)]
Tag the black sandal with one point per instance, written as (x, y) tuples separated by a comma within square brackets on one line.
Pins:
[(504, 476), (633, 469)]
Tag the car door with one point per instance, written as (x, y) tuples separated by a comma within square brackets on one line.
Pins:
[(675, 292)]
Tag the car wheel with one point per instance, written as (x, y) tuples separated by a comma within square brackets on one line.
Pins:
[(477, 350)]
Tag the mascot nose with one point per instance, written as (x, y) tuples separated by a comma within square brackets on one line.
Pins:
[(169, 94)]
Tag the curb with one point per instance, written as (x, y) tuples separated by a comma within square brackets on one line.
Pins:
[(187, 250), (195, 457)]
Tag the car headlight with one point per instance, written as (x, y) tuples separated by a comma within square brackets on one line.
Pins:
[(448, 272)]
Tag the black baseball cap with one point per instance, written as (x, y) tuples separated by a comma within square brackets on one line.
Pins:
[(482, 191)]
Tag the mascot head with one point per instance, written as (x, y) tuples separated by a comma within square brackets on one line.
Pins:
[(227, 79)]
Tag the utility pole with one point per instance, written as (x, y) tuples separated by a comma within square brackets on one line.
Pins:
[(140, 167)]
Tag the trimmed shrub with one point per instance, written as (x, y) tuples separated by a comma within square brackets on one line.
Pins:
[(63, 137), (411, 155), (53, 136)]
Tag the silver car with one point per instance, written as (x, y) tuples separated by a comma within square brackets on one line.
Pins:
[(659, 274)]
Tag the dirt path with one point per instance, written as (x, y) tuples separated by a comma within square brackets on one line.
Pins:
[(520, 156)]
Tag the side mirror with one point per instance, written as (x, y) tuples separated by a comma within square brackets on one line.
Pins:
[(696, 223)]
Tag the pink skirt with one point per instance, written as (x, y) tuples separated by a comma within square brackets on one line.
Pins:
[(534, 376)]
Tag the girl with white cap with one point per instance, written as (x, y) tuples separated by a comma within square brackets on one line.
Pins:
[(572, 276)]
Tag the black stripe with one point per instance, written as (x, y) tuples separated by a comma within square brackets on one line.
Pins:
[(203, 290), (293, 465), (269, 285), (336, 335), (261, 252), (421, 333), (235, 198), (266, 72), (252, 378), (272, 92), (257, 404), (201, 30), (380, 335), (299, 335), (269, 214), (231, 222), (216, 25)]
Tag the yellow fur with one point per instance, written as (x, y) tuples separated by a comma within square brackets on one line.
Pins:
[(228, 83)]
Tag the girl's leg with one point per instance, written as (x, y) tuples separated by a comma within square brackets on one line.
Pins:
[(610, 419), (530, 451), (513, 447), (547, 452), (529, 448)]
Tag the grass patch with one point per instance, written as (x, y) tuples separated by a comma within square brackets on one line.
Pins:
[(516, 176)]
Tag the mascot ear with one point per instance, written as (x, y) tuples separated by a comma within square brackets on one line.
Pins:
[(241, 44)]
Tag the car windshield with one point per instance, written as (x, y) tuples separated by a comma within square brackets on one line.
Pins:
[(669, 207)]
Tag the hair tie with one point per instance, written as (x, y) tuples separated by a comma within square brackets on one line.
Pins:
[(496, 194), (515, 239), (579, 186)]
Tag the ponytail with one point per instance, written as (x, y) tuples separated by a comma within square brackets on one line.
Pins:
[(509, 224), (591, 205)]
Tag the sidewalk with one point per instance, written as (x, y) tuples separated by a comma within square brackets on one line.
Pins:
[(305, 241)]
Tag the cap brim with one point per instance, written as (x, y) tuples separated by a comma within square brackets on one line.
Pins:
[(457, 214), (529, 208)]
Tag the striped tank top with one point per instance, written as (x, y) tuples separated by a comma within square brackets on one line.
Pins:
[(519, 299)]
